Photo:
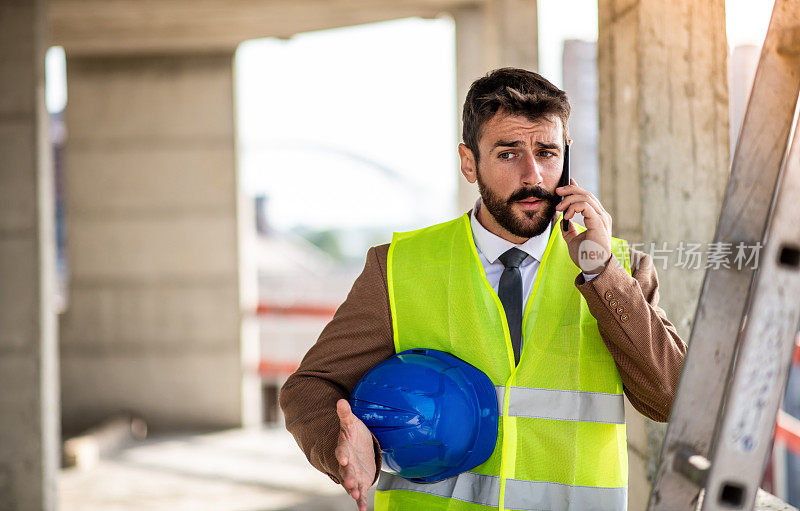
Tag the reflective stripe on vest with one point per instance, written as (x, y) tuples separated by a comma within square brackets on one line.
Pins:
[(564, 405), (520, 495)]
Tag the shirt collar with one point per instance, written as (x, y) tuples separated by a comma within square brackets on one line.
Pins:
[(493, 246)]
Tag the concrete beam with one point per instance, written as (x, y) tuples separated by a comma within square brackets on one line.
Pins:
[(137, 26), (28, 371)]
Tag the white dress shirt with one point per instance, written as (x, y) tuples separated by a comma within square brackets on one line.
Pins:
[(491, 246)]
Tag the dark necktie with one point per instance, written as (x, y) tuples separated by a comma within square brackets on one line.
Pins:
[(510, 293)]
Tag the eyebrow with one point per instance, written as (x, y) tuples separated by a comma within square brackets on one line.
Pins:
[(518, 143)]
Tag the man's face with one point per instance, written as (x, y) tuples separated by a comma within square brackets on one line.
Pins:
[(519, 169)]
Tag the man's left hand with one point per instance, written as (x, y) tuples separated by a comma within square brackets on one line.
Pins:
[(591, 249)]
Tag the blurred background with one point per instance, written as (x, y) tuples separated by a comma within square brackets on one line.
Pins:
[(219, 170)]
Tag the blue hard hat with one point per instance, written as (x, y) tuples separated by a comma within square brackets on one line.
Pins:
[(433, 414)]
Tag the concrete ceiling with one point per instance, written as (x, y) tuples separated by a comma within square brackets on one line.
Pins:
[(155, 26)]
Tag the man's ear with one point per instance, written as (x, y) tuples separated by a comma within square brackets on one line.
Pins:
[(468, 164)]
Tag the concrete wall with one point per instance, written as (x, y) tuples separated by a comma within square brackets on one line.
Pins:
[(28, 369), (153, 323)]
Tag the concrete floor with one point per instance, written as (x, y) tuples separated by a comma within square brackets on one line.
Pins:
[(236, 470)]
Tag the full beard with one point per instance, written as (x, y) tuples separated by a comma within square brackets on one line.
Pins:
[(529, 223)]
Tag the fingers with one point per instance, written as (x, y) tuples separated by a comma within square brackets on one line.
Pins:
[(354, 453), (341, 455), (348, 478), (343, 410), (574, 194), (574, 189), (587, 197), (570, 233), (583, 207), (578, 195), (357, 490), (362, 501), (359, 493), (346, 416), (348, 472)]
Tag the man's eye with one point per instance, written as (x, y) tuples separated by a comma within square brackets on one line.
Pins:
[(546, 154), (502, 156)]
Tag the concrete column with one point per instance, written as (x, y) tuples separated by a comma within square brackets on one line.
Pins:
[(664, 158), (28, 369), (154, 315), (579, 76), (495, 34), (469, 66)]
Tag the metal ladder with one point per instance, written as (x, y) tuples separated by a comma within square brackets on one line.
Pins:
[(740, 349)]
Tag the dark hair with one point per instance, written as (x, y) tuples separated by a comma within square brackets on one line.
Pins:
[(515, 91)]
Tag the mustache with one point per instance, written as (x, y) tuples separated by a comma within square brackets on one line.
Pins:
[(536, 192)]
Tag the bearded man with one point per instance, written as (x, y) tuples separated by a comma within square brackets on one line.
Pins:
[(564, 319)]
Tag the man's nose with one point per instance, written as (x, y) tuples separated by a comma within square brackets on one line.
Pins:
[(532, 171)]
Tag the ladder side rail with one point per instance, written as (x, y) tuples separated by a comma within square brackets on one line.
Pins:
[(741, 447)]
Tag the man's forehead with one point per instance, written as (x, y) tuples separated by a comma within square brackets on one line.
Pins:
[(505, 126)]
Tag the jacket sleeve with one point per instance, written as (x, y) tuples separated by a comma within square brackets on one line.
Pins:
[(357, 338), (646, 347)]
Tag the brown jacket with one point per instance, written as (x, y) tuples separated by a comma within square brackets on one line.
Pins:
[(646, 348)]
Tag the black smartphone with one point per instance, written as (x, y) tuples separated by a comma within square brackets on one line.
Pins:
[(564, 182)]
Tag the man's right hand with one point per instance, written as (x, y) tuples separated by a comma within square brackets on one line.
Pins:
[(355, 455)]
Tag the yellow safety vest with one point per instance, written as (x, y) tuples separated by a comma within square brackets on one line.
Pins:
[(561, 442)]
